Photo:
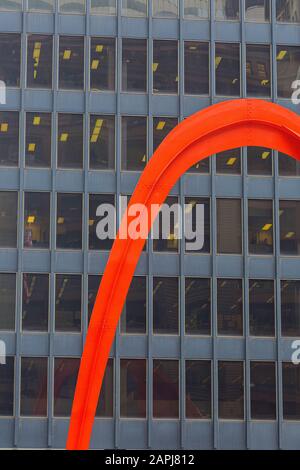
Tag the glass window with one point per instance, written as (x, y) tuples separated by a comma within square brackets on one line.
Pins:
[(227, 9), (34, 381), (258, 68), (7, 301), (263, 390), (165, 67), (229, 226), (197, 223), (202, 167), (69, 221), (36, 220), (290, 309), (134, 143), (38, 140), (289, 231), (133, 388), (10, 59), (7, 372), (260, 228), (93, 286), (102, 142), (288, 64), (165, 389), (103, 64), (39, 61), (98, 222), (228, 75), (8, 5), (288, 11), (258, 10), (106, 399), (134, 8), (261, 308), (166, 227), (8, 219), (133, 319), (72, 6), (65, 378), (165, 8), (71, 62), (291, 391), (103, 7), (196, 68), (196, 9), (197, 306), (198, 390), (230, 307), (162, 126), (35, 302), (259, 161), (231, 390), (68, 303), (41, 5), (229, 162), (9, 138), (165, 306), (134, 65), (70, 141), (288, 166)]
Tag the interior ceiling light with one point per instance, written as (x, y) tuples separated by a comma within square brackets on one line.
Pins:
[(281, 55), (161, 125), (264, 82), (95, 64), (290, 235), (265, 155), (267, 227), (97, 130), (99, 48), (64, 137), (60, 220), (4, 127), (36, 120), (155, 66), (218, 61), (31, 147), (231, 161), (67, 54), (31, 219)]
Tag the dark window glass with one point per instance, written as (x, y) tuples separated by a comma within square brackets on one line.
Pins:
[(133, 319), (227, 9), (165, 8), (8, 219), (231, 390), (36, 220), (260, 227), (229, 226), (166, 227), (288, 11), (258, 10), (291, 391), (93, 286), (229, 162), (10, 58), (7, 372), (230, 307), (288, 63), (133, 388), (134, 8), (35, 307), (161, 128), (39, 61), (258, 69), (38, 140), (72, 6), (106, 400), (65, 378), (68, 303), (289, 230), (165, 67), (196, 68), (227, 63), (259, 161), (103, 64), (71, 62), (102, 142), (202, 167), (9, 138), (197, 220), (261, 308), (134, 143), (197, 306), (70, 141), (198, 390), (69, 221), (165, 389), (34, 371), (288, 166), (165, 306), (103, 7), (134, 65), (290, 308), (7, 301), (263, 390), (98, 223), (196, 9)]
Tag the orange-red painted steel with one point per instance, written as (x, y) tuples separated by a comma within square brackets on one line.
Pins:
[(221, 127)]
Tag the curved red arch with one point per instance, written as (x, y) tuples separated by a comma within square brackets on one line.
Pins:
[(221, 127)]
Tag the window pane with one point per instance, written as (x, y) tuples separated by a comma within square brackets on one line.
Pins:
[(7, 301), (288, 63), (10, 58), (41, 5), (65, 378), (230, 307), (8, 219), (261, 308), (288, 166), (202, 167), (38, 140), (260, 227), (102, 142), (93, 286), (263, 391), (96, 222), (288, 11), (197, 306), (229, 162), (69, 221), (257, 10), (290, 308), (7, 387), (11, 5), (260, 161), (39, 61), (35, 307), (228, 69), (34, 381), (134, 65), (165, 389), (162, 126), (165, 231), (291, 391), (36, 220), (195, 9), (134, 8), (198, 389), (103, 7), (70, 141), (165, 67), (231, 390), (133, 319), (165, 306), (227, 9), (134, 143), (133, 388), (258, 69), (196, 68), (72, 6), (9, 138), (71, 62), (106, 399), (165, 8), (289, 230), (229, 226), (103, 64), (68, 303), (195, 224)]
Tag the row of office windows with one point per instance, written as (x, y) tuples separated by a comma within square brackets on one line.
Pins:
[(255, 10), (165, 65), (166, 310), (165, 391)]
